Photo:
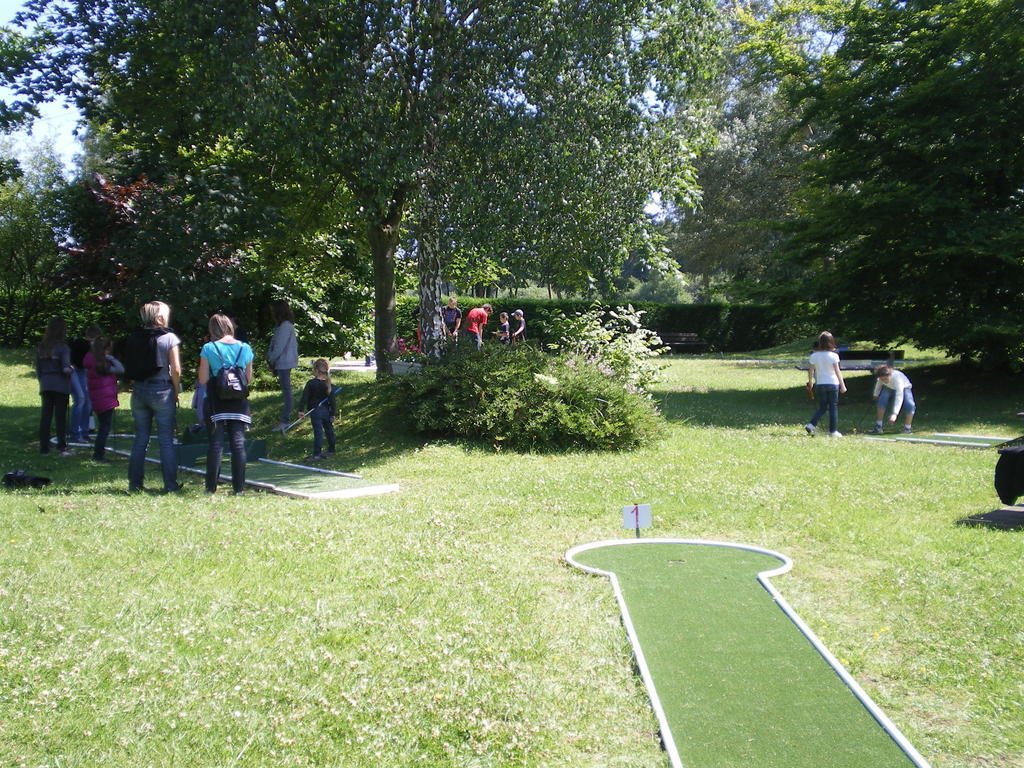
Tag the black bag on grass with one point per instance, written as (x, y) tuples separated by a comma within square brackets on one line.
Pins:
[(21, 479)]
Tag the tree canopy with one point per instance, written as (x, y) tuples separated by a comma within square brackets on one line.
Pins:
[(910, 220), (588, 107)]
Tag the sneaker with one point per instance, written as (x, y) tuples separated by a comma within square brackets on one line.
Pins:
[(835, 434), (315, 457), (811, 429), (875, 430), (907, 429)]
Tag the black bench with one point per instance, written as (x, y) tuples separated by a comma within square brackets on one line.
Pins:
[(870, 354), (683, 342)]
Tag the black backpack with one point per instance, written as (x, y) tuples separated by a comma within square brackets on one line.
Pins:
[(140, 354), (230, 381)]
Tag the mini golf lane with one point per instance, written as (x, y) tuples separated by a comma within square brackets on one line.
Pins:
[(279, 477), (735, 677)]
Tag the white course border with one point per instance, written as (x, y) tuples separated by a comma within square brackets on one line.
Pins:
[(930, 441), (764, 577)]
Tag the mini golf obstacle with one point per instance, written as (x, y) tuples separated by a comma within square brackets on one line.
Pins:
[(280, 477), (735, 677)]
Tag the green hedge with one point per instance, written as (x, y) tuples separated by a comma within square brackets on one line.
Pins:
[(726, 328)]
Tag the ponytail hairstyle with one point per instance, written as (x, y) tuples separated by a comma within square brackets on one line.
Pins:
[(322, 366), (56, 333), (99, 348), (826, 342)]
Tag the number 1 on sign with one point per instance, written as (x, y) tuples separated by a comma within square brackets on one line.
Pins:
[(636, 516)]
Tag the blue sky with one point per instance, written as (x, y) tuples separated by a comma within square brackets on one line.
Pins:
[(57, 121)]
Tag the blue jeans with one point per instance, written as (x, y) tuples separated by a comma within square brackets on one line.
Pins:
[(236, 434), (908, 407), (82, 406), (104, 421), (320, 418), (284, 378), (153, 399), (828, 400)]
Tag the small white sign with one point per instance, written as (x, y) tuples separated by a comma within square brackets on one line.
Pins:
[(636, 516)]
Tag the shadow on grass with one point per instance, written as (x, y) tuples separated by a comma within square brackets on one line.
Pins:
[(949, 397), (369, 429)]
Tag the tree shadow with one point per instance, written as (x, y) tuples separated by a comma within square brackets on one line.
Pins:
[(949, 398), (369, 429)]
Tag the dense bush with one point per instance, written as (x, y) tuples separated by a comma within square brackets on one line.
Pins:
[(521, 398)]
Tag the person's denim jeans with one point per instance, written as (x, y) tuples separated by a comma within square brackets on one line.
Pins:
[(55, 408), (320, 418), (153, 400), (828, 400), (908, 407), (236, 435), (104, 421), (82, 406), (284, 378)]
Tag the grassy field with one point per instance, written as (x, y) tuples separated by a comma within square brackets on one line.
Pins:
[(440, 626)]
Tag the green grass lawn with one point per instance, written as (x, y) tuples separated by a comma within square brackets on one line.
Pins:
[(441, 626)]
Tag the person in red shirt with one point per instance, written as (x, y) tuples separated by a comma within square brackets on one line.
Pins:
[(476, 319)]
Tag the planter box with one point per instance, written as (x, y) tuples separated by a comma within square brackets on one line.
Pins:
[(401, 367)]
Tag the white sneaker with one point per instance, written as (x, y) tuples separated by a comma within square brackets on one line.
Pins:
[(811, 429), (835, 434)]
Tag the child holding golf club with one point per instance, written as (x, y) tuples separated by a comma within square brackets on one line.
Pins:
[(893, 385), (318, 401)]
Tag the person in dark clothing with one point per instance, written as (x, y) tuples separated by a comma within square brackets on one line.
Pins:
[(318, 401), (54, 369)]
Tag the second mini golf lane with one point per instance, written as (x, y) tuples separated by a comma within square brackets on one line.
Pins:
[(735, 681)]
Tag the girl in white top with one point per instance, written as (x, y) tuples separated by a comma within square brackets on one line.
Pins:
[(826, 377)]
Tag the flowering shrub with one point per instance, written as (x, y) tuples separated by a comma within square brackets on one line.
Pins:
[(521, 398), (406, 351), (618, 345)]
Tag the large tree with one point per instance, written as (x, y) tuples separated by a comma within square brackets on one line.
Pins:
[(911, 222), (381, 97)]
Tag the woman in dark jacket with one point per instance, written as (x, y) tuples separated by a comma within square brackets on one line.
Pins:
[(53, 369)]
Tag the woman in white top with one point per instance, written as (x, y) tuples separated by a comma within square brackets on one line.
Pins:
[(827, 378)]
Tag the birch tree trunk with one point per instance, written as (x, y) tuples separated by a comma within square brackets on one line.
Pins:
[(431, 323)]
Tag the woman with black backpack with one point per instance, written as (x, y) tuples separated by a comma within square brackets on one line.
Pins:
[(225, 369)]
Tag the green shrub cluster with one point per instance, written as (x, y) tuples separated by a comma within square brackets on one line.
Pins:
[(523, 399)]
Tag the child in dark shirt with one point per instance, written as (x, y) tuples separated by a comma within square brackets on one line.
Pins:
[(318, 401), (502, 332)]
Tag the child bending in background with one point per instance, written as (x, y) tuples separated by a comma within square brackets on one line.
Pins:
[(318, 401), (891, 381)]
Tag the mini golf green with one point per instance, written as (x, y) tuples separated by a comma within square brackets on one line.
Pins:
[(284, 478), (735, 677)]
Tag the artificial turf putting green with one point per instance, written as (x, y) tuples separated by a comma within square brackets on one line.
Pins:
[(733, 679), (284, 478)]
